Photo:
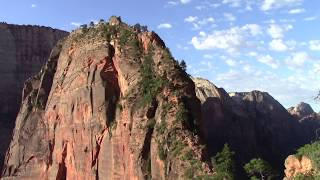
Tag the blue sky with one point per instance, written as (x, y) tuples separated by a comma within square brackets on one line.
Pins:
[(240, 45)]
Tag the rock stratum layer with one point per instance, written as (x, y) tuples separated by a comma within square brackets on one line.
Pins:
[(253, 123), (111, 103), (23, 50)]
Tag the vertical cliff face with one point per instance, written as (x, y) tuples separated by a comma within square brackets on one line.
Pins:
[(119, 107), (23, 50), (253, 123)]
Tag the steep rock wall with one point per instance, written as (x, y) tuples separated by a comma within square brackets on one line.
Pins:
[(23, 51), (107, 116)]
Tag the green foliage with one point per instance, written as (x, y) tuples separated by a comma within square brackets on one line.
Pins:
[(110, 31), (183, 65), (187, 155), (162, 152), (84, 28), (259, 167), (151, 123), (189, 173), (125, 36), (224, 163), (177, 147), (312, 151), (305, 177), (182, 113), (151, 84), (161, 128)]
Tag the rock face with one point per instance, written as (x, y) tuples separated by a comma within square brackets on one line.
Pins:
[(23, 50), (253, 123), (301, 110), (295, 166), (111, 103)]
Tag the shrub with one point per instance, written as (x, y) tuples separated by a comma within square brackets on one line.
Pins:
[(259, 167), (312, 151)]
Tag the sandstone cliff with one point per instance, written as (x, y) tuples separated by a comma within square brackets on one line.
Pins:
[(301, 110), (111, 103), (253, 123), (23, 50)]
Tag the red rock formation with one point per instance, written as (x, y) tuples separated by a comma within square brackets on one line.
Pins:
[(295, 166), (89, 115), (23, 50)]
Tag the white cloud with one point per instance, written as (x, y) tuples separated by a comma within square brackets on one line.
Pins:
[(314, 45), (229, 17), (232, 3), (77, 24), (206, 21), (230, 39), (164, 26), (191, 19), (231, 62), (185, 1), (198, 24), (276, 31), (208, 56), (297, 59), (278, 45), (268, 60), (254, 29), (297, 11), (275, 4), (310, 18), (33, 5)]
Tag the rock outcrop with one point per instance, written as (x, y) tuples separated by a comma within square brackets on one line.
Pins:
[(297, 166), (253, 123), (23, 50), (111, 103), (301, 110)]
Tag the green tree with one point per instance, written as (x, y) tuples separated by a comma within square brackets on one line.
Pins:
[(259, 167), (183, 65), (224, 164)]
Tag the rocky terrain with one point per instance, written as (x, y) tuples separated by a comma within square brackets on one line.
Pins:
[(23, 50), (110, 103), (253, 123)]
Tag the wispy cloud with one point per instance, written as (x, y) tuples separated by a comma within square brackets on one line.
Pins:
[(164, 26), (33, 6), (268, 5), (297, 11), (77, 24), (310, 18), (185, 1)]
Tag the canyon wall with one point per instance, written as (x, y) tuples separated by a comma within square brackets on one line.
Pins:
[(24, 49)]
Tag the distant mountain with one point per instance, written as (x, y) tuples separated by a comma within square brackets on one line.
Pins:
[(301, 110), (24, 49), (253, 123)]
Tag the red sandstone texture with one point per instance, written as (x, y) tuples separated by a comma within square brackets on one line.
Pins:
[(81, 116)]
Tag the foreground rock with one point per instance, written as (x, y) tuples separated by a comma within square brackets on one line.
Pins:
[(253, 123), (297, 166), (23, 50), (111, 103)]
